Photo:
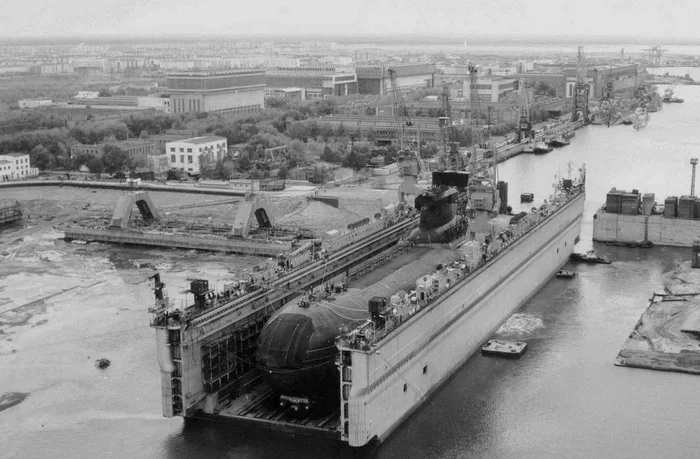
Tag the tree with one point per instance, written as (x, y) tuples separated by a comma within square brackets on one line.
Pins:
[(41, 158), (96, 166), (104, 92), (283, 172), (115, 159)]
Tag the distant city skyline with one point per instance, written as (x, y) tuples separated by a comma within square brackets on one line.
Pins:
[(649, 20)]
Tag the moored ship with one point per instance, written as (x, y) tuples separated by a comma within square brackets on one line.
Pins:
[(359, 352)]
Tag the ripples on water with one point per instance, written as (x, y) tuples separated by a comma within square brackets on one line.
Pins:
[(563, 398)]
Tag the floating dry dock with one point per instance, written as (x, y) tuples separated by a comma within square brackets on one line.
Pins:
[(667, 335)]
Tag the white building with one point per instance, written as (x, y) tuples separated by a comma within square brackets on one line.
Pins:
[(185, 155), (490, 89), (16, 166)]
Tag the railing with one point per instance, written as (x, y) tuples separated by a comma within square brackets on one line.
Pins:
[(367, 335)]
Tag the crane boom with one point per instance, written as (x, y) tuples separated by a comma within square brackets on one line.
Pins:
[(401, 118)]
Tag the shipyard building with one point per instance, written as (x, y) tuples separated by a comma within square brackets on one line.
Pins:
[(225, 92), (375, 79), (490, 88), (190, 154), (384, 127), (308, 83), (133, 148)]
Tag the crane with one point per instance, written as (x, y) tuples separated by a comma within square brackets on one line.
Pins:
[(401, 118), (524, 123), (450, 157), (408, 159), (479, 140), (581, 90)]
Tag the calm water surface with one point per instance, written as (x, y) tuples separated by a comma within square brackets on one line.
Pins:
[(564, 398)]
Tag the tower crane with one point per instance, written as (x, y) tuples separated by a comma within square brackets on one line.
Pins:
[(581, 90), (408, 160)]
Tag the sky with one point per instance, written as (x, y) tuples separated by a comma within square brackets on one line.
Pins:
[(153, 18)]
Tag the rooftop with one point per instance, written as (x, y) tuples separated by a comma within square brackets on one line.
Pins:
[(215, 73), (15, 154), (203, 139)]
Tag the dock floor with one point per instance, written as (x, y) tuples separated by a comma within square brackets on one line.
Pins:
[(260, 407)]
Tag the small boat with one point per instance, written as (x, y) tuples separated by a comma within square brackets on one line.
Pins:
[(559, 141), (541, 147), (565, 274), (589, 257), (504, 348), (569, 135), (529, 148), (102, 363), (527, 197)]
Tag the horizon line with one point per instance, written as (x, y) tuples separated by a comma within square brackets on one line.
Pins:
[(425, 37)]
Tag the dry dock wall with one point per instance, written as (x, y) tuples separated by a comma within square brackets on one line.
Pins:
[(658, 229)]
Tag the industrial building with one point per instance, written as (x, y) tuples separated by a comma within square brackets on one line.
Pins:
[(316, 82), (184, 155), (375, 79), (230, 91), (384, 127), (614, 81), (286, 93), (490, 88), (133, 148)]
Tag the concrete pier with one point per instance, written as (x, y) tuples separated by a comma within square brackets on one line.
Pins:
[(119, 236)]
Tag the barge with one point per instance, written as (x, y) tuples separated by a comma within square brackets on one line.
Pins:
[(635, 219)]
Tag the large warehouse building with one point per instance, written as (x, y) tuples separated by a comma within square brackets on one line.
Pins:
[(375, 79), (225, 92), (315, 82)]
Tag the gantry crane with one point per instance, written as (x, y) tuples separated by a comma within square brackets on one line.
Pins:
[(409, 161), (581, 90)]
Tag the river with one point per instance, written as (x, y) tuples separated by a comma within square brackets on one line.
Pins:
[(563, 398)]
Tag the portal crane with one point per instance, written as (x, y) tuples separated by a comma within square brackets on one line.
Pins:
[(581, 90), (408, 160), (450, 157), (524, 123)]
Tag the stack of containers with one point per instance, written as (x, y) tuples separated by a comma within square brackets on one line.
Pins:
[(647, 203), (671, 207), (686, 207), (613, 203), (630, 203)]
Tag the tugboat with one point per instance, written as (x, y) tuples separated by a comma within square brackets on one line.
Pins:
[(541, 148), (559, 141), (589, 257)]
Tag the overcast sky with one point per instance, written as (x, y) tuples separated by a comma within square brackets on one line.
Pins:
[(651, 18)]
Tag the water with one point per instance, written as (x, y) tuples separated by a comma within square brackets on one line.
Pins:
[(563, 398)]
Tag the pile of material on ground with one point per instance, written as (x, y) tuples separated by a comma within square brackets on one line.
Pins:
[(667, 336), (320, 217)]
